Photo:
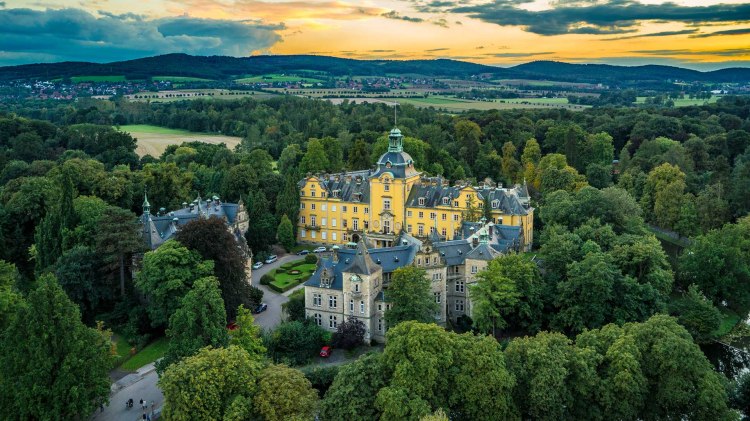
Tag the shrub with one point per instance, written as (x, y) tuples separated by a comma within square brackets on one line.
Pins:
[(281, 270), (295, 342), (266, 279), (349, 334), (311, 258)]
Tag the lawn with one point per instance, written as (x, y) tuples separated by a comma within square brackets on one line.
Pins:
[(284, 281), (683, 102), (729, 320), (147, 355), (180, 79), (153, 140), (79, 79), (123, 349)]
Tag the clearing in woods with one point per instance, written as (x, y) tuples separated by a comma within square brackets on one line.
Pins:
[(153, 140)]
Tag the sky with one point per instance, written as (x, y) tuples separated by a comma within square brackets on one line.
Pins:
[(699, 34)]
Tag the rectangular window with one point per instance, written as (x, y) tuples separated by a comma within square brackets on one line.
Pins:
[(367, 224), (380, 325), (354, 209), (408, 228), (380, 307), (333, 222), (333, 322), (313, 221), (351, 306), (333, 236), (318, 319), (312, 206), (343, 208), (323, 221), (444, 217), (333, 208), (408, 214), (437, 297), (323, 207), (302, 233), (459, 305), (302, 219), (343, 223), (362, 307), (355, 224), (302, 205), (473, 269), (314, 234), (420, 230), (317, 300), (387, 187), (459, 286), (455, 203), (444, 232), (367, 211), (421, 214), (332, 301), (324, 235), (386, 204), (455, 218), (433, 215), (312, 193)]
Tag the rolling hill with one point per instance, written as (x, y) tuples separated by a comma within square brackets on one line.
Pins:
[(226, 68)]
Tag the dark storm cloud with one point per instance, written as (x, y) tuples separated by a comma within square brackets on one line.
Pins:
[(741, 31), (613, 17), (73, 34), (656, 34), (395, 15)]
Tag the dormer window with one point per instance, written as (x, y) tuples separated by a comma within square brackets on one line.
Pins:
[(495, 204), (446, 201), (421, 201)]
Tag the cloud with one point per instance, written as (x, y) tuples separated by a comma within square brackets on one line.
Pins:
[(432, 50), (2, 4), (516, 55), (395, 15), (73, 34), (381, 51), (440, 22), (609, 17), (740, 31), (656, 34), (728, 52)]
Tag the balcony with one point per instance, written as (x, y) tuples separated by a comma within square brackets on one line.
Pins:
[(312, 227), (356, 294)]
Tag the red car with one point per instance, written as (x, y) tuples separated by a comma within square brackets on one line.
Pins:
[(325, 352)]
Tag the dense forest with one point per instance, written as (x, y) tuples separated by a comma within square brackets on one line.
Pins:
[(585, 329)]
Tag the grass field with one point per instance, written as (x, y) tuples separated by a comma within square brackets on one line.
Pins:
[(78, 79), (284, 281), (147, 355), (153, 140), (190, 94), (274, 77), (683, 102), (458, 104), (180, 79)]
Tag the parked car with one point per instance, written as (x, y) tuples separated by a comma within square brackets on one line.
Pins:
[(325, 352), (272, 258), (303, 252), (257, 265), (319, 250), (261, 308)]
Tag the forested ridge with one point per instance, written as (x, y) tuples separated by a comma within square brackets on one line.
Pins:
[(222, 67), (602, 324)]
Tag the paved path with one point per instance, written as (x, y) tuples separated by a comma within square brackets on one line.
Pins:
[(142, 384), (272, 317), (138, 385)]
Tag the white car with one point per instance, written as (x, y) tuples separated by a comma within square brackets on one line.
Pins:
[(258, 265), (272, 258), (319, 250)]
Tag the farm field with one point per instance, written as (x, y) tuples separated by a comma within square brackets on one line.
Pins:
[(180, 79), (188, 94), (683, 102), (276, 78), (458, 104), (79, 79), (153, 140)]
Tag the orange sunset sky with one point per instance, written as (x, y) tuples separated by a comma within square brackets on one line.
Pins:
[(700, 34)]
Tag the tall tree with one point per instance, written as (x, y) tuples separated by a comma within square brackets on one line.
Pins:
[(262, 232), (359, 156), (285, 234), (167, 275), (53, 366), (352, 394), (315, 159), (117, 239), (510, 165), (200, 321), (287, 202), (411, 297), (10, 299), (247, 335), (229, 260), (493, 297), (207, 384), (283, 394)]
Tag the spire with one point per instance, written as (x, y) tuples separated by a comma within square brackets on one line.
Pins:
[(362, 262), (146, 205)]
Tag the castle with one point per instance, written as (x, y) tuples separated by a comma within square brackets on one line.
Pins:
[(382, 219)]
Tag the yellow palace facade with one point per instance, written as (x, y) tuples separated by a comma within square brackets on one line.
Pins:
[(395, 197)]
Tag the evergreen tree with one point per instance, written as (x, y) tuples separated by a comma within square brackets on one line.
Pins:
[(59, 220), (117, 239), (359, 156), (284, 233), (262, 230), (53, 366), (287, 202)]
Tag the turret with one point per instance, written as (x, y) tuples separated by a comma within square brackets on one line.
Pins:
[(395, 141)]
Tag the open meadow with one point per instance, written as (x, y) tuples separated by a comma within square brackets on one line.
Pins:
[(187, 94), (153, 140)]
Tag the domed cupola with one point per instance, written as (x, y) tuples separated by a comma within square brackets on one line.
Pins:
[(396, 161)]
